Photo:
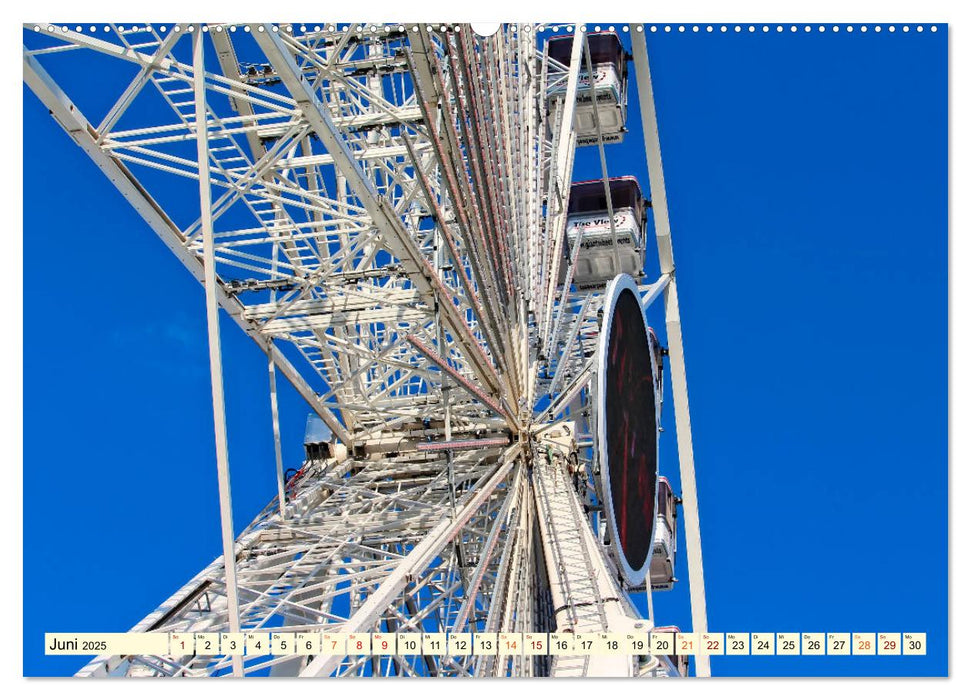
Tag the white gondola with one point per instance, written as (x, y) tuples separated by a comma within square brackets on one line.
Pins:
[(599, 252), (609, 60), (665, 538)]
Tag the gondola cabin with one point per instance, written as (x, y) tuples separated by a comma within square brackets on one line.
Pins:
[(606, 252), (665, 538), (609, 60), (317, 440)]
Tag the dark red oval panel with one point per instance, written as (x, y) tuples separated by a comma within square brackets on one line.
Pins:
[(631, 430)]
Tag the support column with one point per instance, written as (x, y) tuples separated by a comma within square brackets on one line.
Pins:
[(277, 449), (679, 382), (215, 349)]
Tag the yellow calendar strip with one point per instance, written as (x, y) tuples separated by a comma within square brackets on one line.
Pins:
[(888, 643), (108, 644), (664, 641), (915, 644), (864, 643), (763, 644)]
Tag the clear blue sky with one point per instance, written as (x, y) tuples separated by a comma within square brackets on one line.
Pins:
[(807, 182)]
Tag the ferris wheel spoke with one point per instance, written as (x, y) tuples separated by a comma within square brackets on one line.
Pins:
[(420, 271)]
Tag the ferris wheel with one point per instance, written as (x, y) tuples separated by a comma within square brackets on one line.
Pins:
[(391, 213)]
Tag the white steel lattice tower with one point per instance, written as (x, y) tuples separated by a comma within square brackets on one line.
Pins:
[(382, 209)]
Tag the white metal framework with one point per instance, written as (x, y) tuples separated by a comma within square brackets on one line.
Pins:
[(382, 208)]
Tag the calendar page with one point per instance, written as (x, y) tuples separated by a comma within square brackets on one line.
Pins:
[(376, 351)]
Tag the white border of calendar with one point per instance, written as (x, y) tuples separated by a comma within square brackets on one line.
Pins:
[(944, 11)]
